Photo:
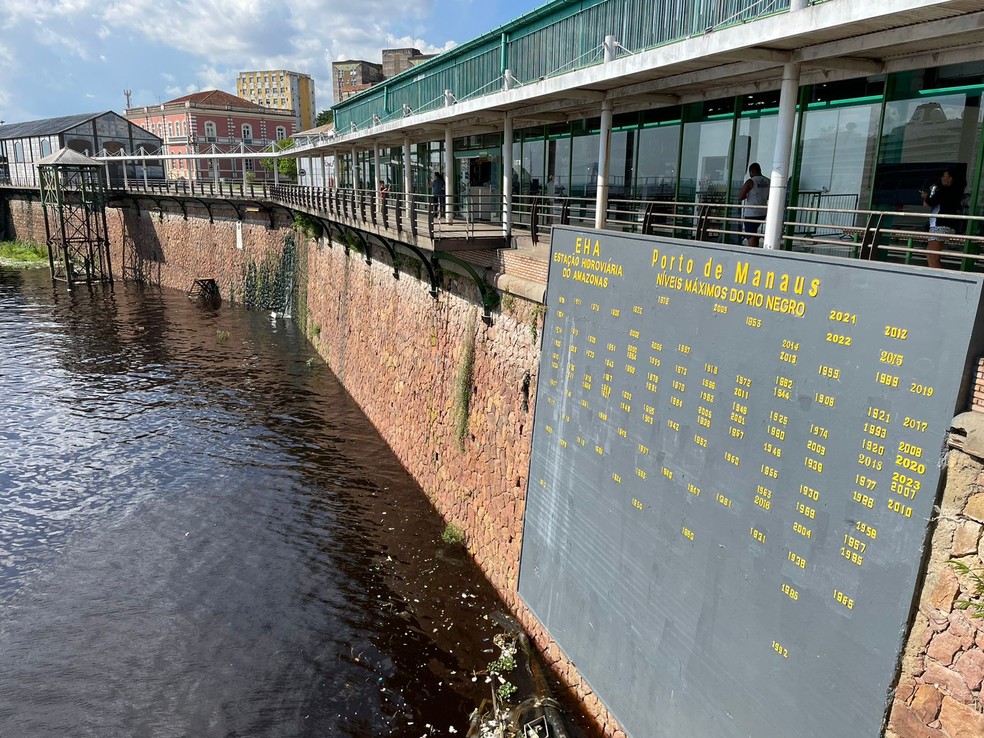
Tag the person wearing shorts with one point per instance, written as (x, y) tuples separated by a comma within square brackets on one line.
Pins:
[(944, 199), (755, 196)]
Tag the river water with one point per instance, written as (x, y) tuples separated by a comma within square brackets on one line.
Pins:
[(201, 534)]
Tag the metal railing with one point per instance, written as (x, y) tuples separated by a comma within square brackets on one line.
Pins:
[(817, 224)]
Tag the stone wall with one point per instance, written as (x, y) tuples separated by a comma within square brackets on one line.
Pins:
[(164, 248), (939, 693)]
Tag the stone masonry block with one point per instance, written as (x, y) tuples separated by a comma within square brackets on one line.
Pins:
[(926, 703), (960, 720), (966, 538)]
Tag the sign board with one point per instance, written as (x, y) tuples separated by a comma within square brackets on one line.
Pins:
[(735, 458)]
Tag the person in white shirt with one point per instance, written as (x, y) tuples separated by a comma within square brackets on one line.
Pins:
[(755, 195)]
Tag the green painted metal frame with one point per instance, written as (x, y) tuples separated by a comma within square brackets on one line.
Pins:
[(559, 37), (490, 296)]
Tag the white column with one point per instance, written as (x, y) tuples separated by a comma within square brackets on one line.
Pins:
[(276, 172), (780, 159), (507, 165), (324, 173), (448, 173), (604, 147), (407, 176), (379, 178)]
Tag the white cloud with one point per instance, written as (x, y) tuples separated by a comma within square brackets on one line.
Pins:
[(186, 45)]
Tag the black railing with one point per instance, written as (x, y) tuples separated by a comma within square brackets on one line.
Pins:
[(823, 223)]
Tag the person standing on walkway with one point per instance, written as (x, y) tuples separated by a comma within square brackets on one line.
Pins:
[(945, 198), (438, 193), (755, 195)]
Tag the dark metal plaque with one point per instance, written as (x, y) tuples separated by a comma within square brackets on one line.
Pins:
[(735, 457)]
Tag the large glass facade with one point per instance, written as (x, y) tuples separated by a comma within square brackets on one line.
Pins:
[(864, 143)]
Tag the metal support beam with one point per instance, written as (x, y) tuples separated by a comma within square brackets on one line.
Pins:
[(490, 297), (391, 249), (425, 260)]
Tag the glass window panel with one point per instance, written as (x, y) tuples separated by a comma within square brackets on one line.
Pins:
[(559, 166), (923, 136), (755, 142), (584, 166), (837, 152), (704, 168), (659, 149), (621, 165), (531, 174)]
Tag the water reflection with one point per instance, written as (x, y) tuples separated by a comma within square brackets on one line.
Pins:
[(202, 536)]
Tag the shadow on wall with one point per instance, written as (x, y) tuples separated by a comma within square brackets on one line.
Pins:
[(143, 255)]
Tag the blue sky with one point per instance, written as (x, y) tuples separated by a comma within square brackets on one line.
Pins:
[(63, 57)]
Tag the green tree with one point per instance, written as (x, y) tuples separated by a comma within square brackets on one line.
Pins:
[(325, 118), (286, 166)]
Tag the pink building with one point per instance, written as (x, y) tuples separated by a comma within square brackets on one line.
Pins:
[(214, 122)]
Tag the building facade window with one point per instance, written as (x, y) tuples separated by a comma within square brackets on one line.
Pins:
[(247, 133), (19, 151), (45, 147), (210, 131), (281, 133)]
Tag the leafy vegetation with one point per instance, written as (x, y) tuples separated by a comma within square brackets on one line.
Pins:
[(309, 225), (286, 167), (23, 253), (453, 535), (463, 389), (325, 117), (269, 284), (975, 605)]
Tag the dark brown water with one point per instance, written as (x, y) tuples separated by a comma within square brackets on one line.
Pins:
[(203, 536)]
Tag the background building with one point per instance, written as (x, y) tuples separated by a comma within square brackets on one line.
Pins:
[(214, 122), (23, 145), (400, 60), (351, 77), (281, 90)]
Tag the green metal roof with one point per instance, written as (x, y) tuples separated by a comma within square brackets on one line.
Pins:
[(559, 37)]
